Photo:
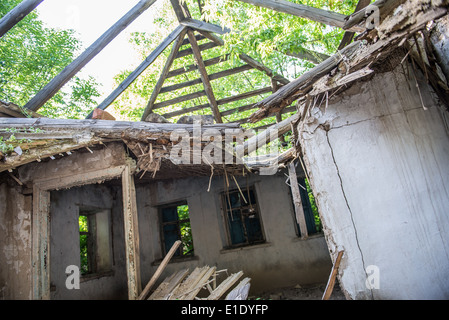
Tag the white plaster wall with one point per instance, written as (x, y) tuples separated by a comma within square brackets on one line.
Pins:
[(380, 170)]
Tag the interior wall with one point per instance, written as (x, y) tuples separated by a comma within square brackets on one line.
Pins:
[(284, 260), (378, 164)]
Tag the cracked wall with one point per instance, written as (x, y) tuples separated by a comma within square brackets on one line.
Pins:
[(377, 161)]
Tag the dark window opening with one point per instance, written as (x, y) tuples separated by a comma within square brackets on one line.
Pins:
[(176, 226), (310, 209), (242, 218)]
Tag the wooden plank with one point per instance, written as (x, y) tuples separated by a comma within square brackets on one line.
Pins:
[(131, 236), (348, 35), (65, 75), (202, 47), (193, 67), (163, 76), (225, 286), (213, 76), (332, 277), (201, 283), (204, 26), (180, 14), (159, 270), (319, 15), (198, 37), (40, 257), (190, 284), (240, 292), (309, 55), (238, 109), (299, 212), (183, 98), (163, 292), (204, 77), (20, 11), (145, 64)]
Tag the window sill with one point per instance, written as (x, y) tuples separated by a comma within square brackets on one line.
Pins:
[(97, 275), (313, 236), (247, 247), (176, 260)]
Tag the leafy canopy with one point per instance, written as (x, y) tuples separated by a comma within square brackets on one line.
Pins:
[(31, 55)]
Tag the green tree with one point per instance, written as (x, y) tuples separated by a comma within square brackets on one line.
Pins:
[(32, 54)]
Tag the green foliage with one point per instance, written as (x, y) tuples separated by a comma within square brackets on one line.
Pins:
[(314, 207), (186, 230), (31, 55), (83, 228)]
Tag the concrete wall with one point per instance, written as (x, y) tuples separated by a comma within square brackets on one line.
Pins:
[(378, 164), (284, 260)]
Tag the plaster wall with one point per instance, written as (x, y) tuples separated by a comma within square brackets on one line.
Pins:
[(284, 260), (378, 164)]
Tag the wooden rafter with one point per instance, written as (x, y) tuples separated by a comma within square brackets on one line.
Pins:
[(65, 75), (175, 49), (319, 15), (348, 35), (18, 13), (204, 76)]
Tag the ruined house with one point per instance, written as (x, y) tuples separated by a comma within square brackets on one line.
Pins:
[(370, 135)]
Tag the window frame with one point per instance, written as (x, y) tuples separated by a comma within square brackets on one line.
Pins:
[(178, 223), (224, 205)]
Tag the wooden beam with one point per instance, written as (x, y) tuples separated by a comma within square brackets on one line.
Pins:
[(213, 76), (204, 77), (198, 37), (183, 98), (145, 64), (204, 26), (299, 211), (309, 55), (332, 277), (131, 232), (202, 47), (163, 76), (65, 75), (193, 67), (319, 15), (180, 14), (348, 35), (10, 19)]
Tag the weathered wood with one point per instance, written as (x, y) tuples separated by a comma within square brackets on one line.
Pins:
[(183, 98), (10, 19), (319, 15), (163, 76), (288, 93), (204, 26), (65, 75), (198, 37), (193, 67), (138, 71), (164, 291), (202, 47), (238, 109), (213, 76), (309, 55), (159, 270), (240, 292), (299, 211), (332, 277), (40, 262), (200, 284), (348, 35), (225, 286), (132, 247), (204, 77), (190, 284), (180, 14)]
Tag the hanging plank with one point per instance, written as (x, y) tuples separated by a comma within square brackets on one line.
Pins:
[(145, 64), (19, 12), (65, 75), (204, 77), (163, 76), (300, 218), (131, 233), (319, 15)]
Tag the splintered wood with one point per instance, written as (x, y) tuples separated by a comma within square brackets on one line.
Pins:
[(182, 286)]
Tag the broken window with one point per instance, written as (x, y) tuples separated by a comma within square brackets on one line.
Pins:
[(95, 241), (175, 224), (242, 218), (310, 209)]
